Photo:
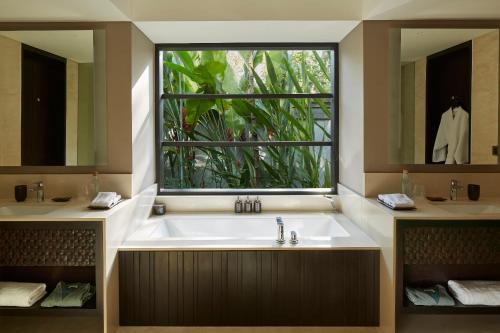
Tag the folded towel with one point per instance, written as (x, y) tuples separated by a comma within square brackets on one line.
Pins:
[(396, 200), (105, 200), (69, 295), (476, 292), (21, 294), (431, 296)]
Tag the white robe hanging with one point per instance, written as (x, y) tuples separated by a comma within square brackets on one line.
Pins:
[(452, 140)]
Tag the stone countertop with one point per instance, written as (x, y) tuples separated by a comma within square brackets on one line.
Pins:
[(484, 209), (75, 210)]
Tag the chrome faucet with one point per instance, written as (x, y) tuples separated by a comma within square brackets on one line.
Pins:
[(281, 230), (454, 188), (40, 191)]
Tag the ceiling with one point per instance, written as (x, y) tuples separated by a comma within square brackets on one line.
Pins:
[(246, 31), (77, 45), (419, 43), (174, 20)]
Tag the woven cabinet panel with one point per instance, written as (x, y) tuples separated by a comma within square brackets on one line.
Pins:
[(457, 245), (47, 247)]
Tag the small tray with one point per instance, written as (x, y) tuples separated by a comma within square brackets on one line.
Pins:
[(396, 208), (436, 199)]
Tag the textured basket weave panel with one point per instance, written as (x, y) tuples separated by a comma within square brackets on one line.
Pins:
[(47, 247), (457, 245)]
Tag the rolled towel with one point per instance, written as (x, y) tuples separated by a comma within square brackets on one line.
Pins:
[(476, 292), (21, 294)]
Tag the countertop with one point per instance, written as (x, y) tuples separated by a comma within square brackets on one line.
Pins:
[(75, 210), (484, 209)]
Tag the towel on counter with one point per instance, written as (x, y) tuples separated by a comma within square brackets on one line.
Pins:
[(69, 295), (22, 294), (476, 292), (431, 296), (396, 201)]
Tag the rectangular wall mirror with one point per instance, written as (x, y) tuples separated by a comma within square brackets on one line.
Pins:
[(447, 108), (52, 98)]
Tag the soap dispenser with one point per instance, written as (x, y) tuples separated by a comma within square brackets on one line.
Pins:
[(238, 206), (257, 205), (248, 205)]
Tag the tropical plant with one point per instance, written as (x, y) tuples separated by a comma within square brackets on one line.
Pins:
[(246, 120)]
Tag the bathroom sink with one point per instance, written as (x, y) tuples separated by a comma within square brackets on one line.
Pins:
[(468, 207), (28, 209)]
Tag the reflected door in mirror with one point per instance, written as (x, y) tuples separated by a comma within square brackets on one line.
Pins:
[(448, 75), (43, 115)]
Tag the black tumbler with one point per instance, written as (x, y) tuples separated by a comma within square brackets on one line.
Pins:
[(473, 191), (20, 192)]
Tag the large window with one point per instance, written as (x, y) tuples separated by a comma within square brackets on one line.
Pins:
[(256, 117)]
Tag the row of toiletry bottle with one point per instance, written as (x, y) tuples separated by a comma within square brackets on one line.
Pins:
[(248, 206)]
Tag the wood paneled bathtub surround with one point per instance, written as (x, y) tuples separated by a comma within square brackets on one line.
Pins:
[(249, 288)]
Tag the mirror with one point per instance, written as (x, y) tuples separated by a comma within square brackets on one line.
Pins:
[(52, 98), (447, 107)]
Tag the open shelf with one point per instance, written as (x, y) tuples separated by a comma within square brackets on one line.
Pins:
[(459, 308), (88, 309)]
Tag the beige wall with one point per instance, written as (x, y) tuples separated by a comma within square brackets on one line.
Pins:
[(71, 112), (100, 96), (394, 80), (420, 107), (118, 96), (143, 111), (86, 132), (351, 146), (485, 86), (407, 150), (10, 102)]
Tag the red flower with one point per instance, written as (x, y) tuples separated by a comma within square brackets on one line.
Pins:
[(270, 134), (185, 126)]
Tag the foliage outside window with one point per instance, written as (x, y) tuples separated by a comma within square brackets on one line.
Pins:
[(248, 118)]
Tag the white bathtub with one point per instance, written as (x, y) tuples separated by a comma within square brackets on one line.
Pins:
[(247, 231)]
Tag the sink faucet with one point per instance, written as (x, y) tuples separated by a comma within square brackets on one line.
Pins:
[(281, 230), (454, 188), (40, 191)]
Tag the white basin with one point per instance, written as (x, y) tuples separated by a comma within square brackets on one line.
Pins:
[(469, 207), (28, 209)]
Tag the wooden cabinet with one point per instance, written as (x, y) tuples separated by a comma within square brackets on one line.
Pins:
[(249, 288)]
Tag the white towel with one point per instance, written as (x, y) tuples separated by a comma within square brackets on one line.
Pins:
[(396, 200), (476, 292), (21, 294)]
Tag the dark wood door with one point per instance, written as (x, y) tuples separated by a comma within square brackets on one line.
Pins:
[(43, 111), (249, 288), (448, 74)]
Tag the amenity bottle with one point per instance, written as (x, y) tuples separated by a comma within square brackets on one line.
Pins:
[(406, 183)]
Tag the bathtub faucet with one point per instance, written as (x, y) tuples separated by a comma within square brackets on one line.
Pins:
[(281, 230)]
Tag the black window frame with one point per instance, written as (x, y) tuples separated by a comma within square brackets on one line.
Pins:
[(334, 105)]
